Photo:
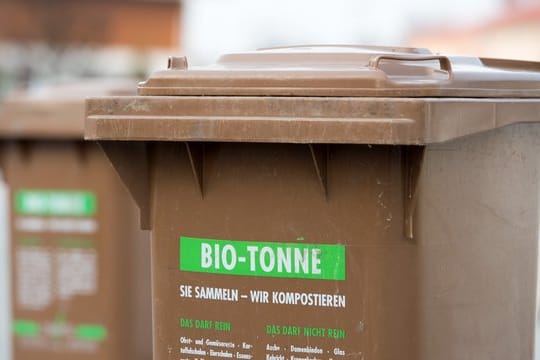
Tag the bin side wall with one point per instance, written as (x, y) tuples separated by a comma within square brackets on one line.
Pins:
[(478, 234)]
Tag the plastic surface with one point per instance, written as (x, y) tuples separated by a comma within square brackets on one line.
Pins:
[(307, 120), (324, 94), (54, 110), (350, 71)]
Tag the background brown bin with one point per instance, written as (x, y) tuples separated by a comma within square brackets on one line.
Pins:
[(80, 263), (336, 202)]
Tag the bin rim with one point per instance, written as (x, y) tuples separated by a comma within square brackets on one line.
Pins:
[(54, 110), (353, 120)]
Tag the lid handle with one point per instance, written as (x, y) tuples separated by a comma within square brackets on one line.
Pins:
[(444, 61)]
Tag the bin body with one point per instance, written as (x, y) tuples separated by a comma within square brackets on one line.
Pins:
[(269, 194), (366, 203), (75, 293)]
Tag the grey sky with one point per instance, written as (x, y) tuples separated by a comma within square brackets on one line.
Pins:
[(216, 26)]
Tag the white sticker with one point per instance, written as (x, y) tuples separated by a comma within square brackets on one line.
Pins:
[(77, 273), (34, 278)]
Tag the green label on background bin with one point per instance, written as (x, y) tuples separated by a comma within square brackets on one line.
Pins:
[(25, 328), (55, 203), (85, 332), (90, 332), (267, 259)]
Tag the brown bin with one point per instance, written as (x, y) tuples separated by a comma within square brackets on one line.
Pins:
[(79, 264), (335, 202)]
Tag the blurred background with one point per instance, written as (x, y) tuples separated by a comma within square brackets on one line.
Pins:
[(42, 40)]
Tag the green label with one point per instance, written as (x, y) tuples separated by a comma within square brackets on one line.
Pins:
[(55, 203), (25, 328), (266, 259), (90, 332), (30, 241), (86, 332), (76, 243)]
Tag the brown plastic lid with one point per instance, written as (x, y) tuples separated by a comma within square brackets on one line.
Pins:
[(323, 94), (348, 71), (55, 110)]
